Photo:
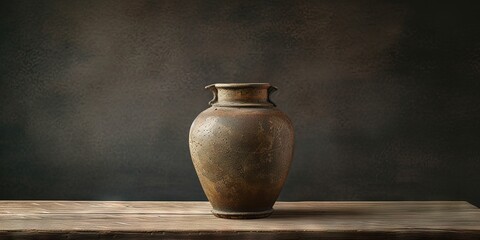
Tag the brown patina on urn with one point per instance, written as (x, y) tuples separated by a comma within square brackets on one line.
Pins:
[(242, 148)]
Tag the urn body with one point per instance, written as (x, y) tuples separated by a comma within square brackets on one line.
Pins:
[(242, 148)]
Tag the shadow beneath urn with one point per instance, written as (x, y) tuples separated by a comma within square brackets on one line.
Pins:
[(308, 213)]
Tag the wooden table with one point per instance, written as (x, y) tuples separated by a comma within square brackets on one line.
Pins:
[(193, 220)]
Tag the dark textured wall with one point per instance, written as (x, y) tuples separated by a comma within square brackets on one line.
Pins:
[(97, 97)]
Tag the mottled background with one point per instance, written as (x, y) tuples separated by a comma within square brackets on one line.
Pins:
[(97, 97)]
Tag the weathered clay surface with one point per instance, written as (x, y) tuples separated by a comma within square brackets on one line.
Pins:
[(242, 156)]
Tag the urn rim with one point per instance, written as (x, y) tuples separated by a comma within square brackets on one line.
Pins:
[(240, 85)]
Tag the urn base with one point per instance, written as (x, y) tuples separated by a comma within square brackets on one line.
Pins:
[(242, 215)]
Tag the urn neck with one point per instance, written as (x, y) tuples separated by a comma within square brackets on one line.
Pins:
[(241, 94)]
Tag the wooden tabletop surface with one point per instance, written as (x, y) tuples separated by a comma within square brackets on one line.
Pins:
[(193, 220)]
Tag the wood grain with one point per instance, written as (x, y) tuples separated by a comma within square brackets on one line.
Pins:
[(151, 220)]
